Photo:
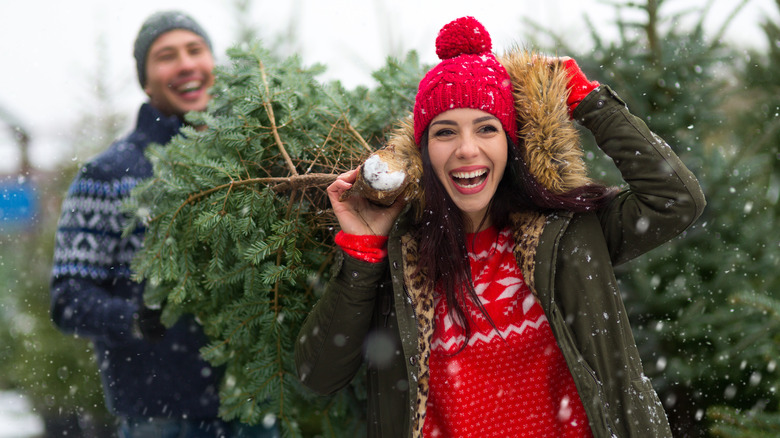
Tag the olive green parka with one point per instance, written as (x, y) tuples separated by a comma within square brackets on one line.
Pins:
[(380, 313)]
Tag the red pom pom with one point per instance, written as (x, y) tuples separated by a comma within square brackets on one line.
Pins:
[(465, 35)]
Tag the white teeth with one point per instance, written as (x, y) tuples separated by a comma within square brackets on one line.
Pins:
[(467, 186), (461, 178), (189, 86), (472, 174)]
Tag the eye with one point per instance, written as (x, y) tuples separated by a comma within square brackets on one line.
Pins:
[(488, 129), (443, 133), (166, 56)]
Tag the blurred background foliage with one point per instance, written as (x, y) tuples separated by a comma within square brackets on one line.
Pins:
[(701, 306), (705, 308)]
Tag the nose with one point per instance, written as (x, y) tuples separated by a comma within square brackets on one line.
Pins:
[(467, 148), (186, 61)]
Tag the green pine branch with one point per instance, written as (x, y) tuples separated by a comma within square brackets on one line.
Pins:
[(239, 227)]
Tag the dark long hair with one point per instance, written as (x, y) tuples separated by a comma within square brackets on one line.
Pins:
[(441, 231)]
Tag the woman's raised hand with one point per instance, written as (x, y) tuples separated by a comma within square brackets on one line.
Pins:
[(579, 85), (356, 215)]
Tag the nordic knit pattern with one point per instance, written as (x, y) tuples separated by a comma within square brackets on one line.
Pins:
[(94, 296), (89, 238), (507, 382)]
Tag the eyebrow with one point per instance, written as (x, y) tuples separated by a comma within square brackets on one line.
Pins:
[(444, 122), (476, 121), (199, 42), (485, 119)]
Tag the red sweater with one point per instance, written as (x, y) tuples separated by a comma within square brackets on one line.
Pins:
[(510, 383)]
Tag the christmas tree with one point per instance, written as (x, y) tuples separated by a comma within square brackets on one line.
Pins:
[(239, 231)]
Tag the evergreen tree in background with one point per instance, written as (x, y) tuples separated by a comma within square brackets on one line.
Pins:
[(702, 343), (239, 228), (56, 373), (756, 127)]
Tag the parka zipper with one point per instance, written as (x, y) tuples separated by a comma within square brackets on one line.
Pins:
[(387, 306)]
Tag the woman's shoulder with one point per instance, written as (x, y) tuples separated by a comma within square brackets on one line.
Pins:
[(565, 228)]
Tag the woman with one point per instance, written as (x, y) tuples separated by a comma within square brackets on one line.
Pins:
[(489, 307)]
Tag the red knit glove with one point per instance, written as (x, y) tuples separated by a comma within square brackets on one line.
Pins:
[(579, 86), (372, 249)]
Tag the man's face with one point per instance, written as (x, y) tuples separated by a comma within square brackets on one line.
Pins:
[(179, 73)]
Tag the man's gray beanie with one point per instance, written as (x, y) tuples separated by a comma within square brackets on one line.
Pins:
[(156, 25)]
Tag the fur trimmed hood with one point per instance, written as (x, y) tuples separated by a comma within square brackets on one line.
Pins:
[(548, 140)]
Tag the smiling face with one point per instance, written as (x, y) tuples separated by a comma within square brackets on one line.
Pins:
[(468, 152), (179, 73)]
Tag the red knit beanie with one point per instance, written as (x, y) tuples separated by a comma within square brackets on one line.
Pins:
[(469, 76)]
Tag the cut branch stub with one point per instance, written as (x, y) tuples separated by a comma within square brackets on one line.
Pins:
[(382, 178)]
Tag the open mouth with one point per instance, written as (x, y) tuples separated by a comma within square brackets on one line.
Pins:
[(189, 87), (469, 180)]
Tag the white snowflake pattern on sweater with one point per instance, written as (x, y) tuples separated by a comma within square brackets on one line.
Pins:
[(511, 380)]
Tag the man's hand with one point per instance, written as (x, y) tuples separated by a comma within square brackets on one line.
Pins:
[(148, 324)]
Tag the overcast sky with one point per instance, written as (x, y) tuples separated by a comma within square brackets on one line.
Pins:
[(49, 48)]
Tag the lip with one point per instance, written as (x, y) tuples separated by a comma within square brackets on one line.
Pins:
[(469, 172)]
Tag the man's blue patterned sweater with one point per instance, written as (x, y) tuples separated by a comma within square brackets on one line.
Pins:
[(94, 297)]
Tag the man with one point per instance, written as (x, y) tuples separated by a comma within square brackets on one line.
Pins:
[(154, 378)]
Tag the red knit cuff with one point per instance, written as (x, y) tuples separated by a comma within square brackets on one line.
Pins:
[(372, 249), (579, 85)]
